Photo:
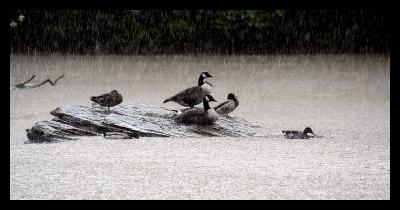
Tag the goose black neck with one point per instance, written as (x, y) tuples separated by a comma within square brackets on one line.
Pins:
[(201, 80), (205, 104)]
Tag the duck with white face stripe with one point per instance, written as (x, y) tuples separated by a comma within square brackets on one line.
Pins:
[(193, 95)]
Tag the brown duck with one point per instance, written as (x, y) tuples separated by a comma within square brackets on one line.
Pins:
[(228, 106), (109, 99), (306, 134)]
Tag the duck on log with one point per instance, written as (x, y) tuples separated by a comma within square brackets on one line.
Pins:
[(130, 120)]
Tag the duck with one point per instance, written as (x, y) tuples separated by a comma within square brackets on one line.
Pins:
[(193, 95), (108, 99), (306, 134), (228, 106), (199, 116)]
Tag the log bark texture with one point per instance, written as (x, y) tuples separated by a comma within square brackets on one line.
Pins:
[(131, 120)]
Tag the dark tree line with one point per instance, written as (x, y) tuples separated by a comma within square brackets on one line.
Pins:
[(199, 31)]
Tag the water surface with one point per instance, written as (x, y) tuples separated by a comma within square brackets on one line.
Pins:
[(344, 98)]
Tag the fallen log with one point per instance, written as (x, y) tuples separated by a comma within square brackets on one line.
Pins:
[(130, 120), (24, 85)]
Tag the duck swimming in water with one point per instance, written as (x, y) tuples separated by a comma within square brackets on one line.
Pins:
[(109, 99), (199, 116), (228, 106), (307, 133), (193, 95)]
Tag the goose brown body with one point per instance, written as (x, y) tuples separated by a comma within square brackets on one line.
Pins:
[(189, 97), (193, 95), (198, 116)]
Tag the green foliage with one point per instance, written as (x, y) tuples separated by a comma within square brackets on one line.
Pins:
[(199, 31)]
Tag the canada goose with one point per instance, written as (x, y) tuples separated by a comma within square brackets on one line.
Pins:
[(199, 116), (228, 106), (179, 111), (109, 99), (194, 95), (307, 133)]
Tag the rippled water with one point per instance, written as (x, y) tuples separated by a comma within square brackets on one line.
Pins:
[(344, 98)]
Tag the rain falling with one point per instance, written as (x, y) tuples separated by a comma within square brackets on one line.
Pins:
[(289, 69)]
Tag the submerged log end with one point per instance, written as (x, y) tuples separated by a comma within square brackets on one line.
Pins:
[(40, 136), (53, 131)]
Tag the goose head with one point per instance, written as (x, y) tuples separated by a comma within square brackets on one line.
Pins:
[(205, 74), (232, 96)]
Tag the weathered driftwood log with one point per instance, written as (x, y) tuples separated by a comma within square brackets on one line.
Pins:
[(23, 85), (130, 120)]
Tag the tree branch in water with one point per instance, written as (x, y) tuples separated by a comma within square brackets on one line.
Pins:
[(24, 85)]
